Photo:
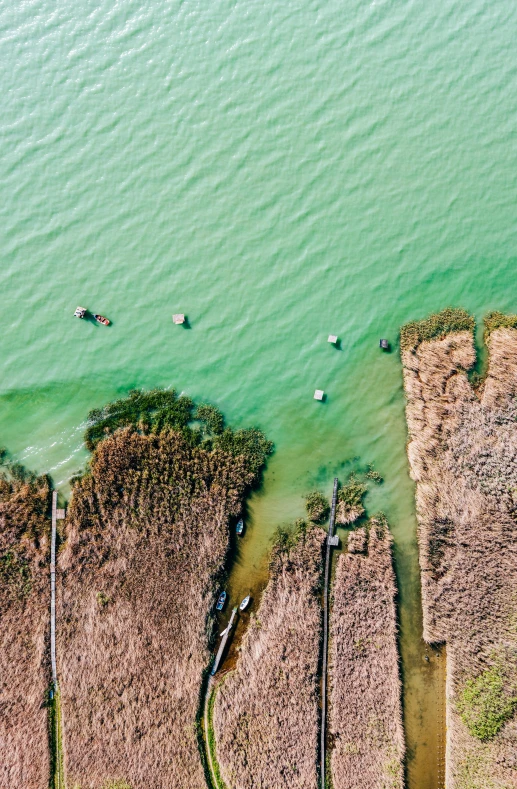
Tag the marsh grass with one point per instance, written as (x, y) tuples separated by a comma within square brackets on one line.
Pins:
[(147, 536), (350, 502), (24, 602), (463, 457), (266, 711), (317, 506), (365, 690)]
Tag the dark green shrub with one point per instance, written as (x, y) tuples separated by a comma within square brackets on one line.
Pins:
[(211, 417)]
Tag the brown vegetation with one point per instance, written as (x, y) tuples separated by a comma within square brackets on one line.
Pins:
[(147, 536), (24, 617), (463, 457), (266, 710), (365, 710)]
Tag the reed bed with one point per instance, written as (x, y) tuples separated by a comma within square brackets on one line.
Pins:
[(266, 710), (147, 537), (24, 617), (365, 721), (463, 457)]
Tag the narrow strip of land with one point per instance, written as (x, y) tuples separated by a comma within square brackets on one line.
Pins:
[(324, 660)]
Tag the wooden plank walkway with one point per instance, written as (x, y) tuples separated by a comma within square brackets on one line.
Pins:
[(53, 591), (324, 660)]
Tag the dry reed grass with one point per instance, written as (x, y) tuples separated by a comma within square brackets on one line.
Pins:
[(147, 536), (463, 457), (266, 710), (24, 617), (365, 710)]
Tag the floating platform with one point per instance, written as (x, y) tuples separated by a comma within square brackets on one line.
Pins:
[(179, 318), (319, 394), (384, 344), (333, 540), (332, 339)]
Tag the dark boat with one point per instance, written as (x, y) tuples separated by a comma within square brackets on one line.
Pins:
[(221, 601), (102, 319), (240, 527)]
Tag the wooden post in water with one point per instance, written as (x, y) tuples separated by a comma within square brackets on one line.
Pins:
[(324, 658)]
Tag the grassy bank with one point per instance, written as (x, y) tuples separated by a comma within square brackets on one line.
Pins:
[(146, 542), (462, 450), (365, 726)]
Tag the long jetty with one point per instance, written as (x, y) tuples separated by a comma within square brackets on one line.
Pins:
[(53, 591), (332, 541)]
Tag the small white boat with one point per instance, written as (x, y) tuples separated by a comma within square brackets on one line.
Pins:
[(245, 603), (80, 312)]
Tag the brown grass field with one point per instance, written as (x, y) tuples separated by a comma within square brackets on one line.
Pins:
[(24, 619), (266, 718), (147, 536), (365, 718), (463, 457)]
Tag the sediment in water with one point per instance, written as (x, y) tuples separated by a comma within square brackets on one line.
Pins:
[(24, 624), (147, 536), (365, 717), (463, 456), (266, 710)]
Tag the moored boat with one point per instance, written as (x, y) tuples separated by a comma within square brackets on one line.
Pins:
[(240, 527), (245, 603), (102, 319), (80, 312), (221, 601)]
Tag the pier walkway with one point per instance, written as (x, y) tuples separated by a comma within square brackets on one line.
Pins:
[(331, 542)]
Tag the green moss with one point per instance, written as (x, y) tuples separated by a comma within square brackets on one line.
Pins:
[(437, 325), (317, 506), (116, 784), (57, 771), (486, 703)]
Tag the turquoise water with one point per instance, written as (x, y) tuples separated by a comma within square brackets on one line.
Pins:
[(276, 171)]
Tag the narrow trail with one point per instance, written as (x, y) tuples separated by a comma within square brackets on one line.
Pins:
[(324, 661), (208, 750)]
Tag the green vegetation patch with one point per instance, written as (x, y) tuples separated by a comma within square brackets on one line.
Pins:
[(317, 506), (435, 326), (486, 703), (497, 320), (15, 575), (286, 537), (350, 502), (158, 410)]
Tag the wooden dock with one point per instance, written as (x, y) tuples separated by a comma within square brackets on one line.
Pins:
[(331, 542), (224, 641), (53, 590)]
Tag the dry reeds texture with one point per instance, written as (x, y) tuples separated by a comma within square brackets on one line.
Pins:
[(266, 710), (24, 618), (463, 457), (365, 728), (147, 535)]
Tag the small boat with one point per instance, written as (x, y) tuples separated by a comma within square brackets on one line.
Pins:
[(245, 603), (240, 527), (101, 319), (80, 312), (221, 601)]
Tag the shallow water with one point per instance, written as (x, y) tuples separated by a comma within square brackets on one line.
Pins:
[(278, 172)]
